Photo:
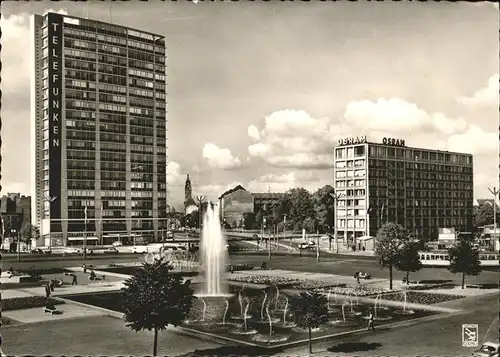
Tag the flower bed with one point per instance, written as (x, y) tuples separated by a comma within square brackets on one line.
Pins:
[(239, 267), (316, 285), (27, 302), (263, 280), (420, 297), (354, 290)]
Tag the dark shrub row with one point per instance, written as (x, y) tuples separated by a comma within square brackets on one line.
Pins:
[(27, 302)]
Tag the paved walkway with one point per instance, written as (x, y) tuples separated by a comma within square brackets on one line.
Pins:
[(38, 314)]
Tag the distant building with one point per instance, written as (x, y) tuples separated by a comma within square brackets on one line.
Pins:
[(15, 211), (189, 203), (237, 201)]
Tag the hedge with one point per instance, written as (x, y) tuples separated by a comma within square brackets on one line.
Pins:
[(27, 302)]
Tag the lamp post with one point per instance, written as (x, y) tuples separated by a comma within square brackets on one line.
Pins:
[(494, 191), (200, 200), (85, 235), (335, 197)]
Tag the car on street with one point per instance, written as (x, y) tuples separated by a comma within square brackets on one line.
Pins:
[(309, 245), (488, 349), (36, 251), (7, 274), (117, 244), (71, 250), (364, 275), (139, 249), (111, 250)]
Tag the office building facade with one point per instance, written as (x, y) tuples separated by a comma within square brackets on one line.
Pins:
[(99, 133), (421, 189)]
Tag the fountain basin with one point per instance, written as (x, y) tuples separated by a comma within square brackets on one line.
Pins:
[(270, 339)]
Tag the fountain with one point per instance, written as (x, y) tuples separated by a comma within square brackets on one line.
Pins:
[(277, 298), (240, 300), (225, 312), (404, 311), (213, 253), (262, 308), (245, 316), (204, 309)]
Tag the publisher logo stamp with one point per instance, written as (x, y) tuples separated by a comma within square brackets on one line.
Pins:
[(470, 336)]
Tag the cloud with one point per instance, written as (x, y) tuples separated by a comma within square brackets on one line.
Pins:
[(15, 47), (253, 132), (212, 192), (283, 182), (487, 96), (219, 158), (473, 141), (174, 174), (295, 139)]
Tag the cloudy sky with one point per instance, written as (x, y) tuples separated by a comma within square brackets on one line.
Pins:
[(258, 93)]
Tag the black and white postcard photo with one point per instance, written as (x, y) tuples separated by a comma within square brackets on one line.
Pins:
[(249, 178)]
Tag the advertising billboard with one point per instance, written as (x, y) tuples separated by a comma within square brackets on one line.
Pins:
[(55, 24)]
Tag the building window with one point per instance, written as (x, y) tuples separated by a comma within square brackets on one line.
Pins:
[(340, 153)]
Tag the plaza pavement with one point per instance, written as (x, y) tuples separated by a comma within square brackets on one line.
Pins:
[(79, 318)]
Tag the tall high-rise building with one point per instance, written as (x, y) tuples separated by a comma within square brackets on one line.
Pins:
[(421, 189), (99, 133)]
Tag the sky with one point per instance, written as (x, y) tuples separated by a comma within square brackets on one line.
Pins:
[(260, 92)]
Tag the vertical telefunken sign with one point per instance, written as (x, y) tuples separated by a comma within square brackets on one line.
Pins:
[(55, 24)]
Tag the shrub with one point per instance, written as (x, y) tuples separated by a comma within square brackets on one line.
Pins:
[(238, 267), (27, 302)]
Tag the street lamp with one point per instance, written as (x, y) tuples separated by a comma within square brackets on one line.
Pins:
[(200, 200), (335, 197), (494, 191)]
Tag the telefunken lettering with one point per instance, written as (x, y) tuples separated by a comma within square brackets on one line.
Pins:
[(55, 24)]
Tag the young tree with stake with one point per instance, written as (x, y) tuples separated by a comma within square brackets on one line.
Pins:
[(154, 298), (408, 260), (464, 259), (391, 240), (310, 309)]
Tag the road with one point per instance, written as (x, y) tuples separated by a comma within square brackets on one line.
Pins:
[(341, 265)]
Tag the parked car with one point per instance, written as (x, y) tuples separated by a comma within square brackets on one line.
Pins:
[(71, 250), (139, 249), (117, 244), (111, 250), (364, 275), (7, 274), (488, 349)]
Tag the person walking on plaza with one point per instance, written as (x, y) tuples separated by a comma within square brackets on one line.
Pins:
[(371, 324), (47, 290), (74, 281)]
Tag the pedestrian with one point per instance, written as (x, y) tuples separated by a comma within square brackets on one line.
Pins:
[(84, 266), (371, 324), (357, 278), (51, 285), (47, 291), (74, 281)]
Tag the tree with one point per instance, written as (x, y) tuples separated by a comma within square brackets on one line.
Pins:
[(391, 240), (154, 298), (485, 215), (297, 204), (324, 207), (248, 220), (310, 309), (29, 232), (464, 259), (408, 260)]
